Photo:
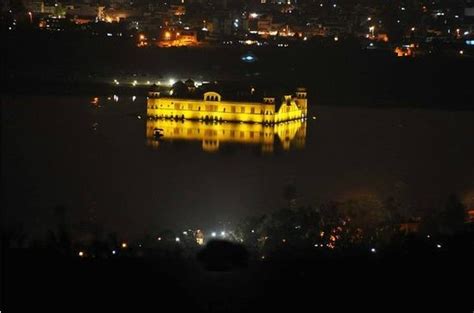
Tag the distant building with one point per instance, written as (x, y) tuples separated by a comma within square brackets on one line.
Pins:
[(469, 203), (410, 227), (470, 216), (119, 14), (36, 6), (84, 13), (199, 235), (405, 51), (178, 38), (177, 10)]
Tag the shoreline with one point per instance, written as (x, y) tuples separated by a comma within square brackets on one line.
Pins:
[(94, 89)]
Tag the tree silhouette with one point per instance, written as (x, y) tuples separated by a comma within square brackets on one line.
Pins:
[(453, 216)]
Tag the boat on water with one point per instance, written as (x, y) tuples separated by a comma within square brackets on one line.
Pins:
[(158, 133)]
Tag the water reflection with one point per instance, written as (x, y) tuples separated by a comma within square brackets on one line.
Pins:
[(291, 134)]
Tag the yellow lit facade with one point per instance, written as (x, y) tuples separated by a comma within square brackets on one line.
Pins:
[(175, 38), (291, 134), (212, 107)]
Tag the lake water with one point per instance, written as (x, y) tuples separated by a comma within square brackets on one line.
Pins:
[(102, 164)]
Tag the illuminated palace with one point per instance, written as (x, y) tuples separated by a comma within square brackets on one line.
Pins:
[(211, 103)]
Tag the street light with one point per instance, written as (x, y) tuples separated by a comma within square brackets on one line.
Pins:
[(372, 30)]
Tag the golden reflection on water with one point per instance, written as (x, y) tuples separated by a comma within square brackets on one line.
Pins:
[(291, 134)]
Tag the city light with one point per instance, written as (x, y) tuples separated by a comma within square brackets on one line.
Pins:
[(177, 239), (213, 234), (124, 245), (372, 29), (81, 253), (249, 58)]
